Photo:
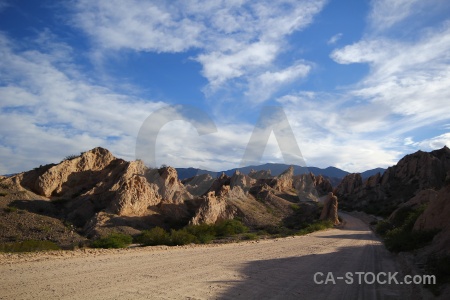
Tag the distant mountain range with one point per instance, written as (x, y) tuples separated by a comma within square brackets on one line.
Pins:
[(277, 169)]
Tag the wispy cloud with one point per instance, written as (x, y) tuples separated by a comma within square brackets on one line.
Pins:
[(333, 40), (47, 106), (233, 39), (263, 86)]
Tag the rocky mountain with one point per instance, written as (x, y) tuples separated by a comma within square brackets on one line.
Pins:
[(95, 193), (335, 175), (382, 193)]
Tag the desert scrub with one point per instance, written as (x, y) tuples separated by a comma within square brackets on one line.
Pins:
[(10, 209), (114, 240), (70, 157), (230, 227), (28, 246), (181, 237), (316, 226), (438, 265), (295, 207), (250, 236), (153, 237), (398, 233), (204, 233)]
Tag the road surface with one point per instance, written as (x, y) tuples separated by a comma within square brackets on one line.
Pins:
[(268, 269)]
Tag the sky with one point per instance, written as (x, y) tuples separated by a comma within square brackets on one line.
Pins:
[(361, 83)]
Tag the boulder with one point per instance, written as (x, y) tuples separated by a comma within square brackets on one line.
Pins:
[(330, 209)]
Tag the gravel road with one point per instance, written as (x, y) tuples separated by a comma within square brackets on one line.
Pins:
[(268, 269)]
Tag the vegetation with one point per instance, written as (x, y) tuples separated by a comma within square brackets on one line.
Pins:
[(10, 209), (316, 226), (114, 240), (70, 157), (28, 246), (440, 267), (398, 233), (199, 234), (153, 237), (2, 194), (250, 236)]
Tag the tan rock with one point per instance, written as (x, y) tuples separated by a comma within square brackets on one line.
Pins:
[(60, 179), (242, 181), (330, 209), (213, 209)]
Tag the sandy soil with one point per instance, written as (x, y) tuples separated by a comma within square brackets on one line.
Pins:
[(269, 269)]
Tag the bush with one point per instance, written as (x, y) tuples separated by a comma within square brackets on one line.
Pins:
[(153, 237), (70, 157), (10, 209), (383, 227), (295, 207), (250, 236), (440, 267), (316, 226), (398, 233), (114, 240), (401, 239), (181, 237), (29, 246), (204, 233), (230, 227)]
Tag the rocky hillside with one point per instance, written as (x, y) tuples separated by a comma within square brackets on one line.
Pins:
[(95, 193), (382, 193)]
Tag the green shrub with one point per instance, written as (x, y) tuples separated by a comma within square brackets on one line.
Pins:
[(402, 239), (438, 266), (383, 227), (295, 207), (279, 231), (398, 232), (250, 236), (230, 227), (204, 233), (114, 240), (70, 157), (181, 237), (10, 209), (153, 237), (28, 246), (316, 226)]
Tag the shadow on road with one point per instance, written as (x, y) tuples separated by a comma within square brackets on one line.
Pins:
[(293, 278)]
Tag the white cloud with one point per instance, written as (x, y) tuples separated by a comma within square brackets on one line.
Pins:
[(408, 79), (386, 13), (233, 39), (333, 131), (436, 142), (262, 87), (333, 40), (49, 110)]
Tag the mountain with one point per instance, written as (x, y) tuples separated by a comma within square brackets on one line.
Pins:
[(368, 173), (275, 169), (382, 193), (335, 175), (95, 194)]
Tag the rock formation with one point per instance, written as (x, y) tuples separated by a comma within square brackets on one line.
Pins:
[(98, 193), (381, 194), (330, 209), (214, 208)]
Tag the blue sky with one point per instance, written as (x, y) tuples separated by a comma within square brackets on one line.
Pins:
[(362, 82)]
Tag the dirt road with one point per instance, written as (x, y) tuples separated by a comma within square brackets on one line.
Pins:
[(269, 269)]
